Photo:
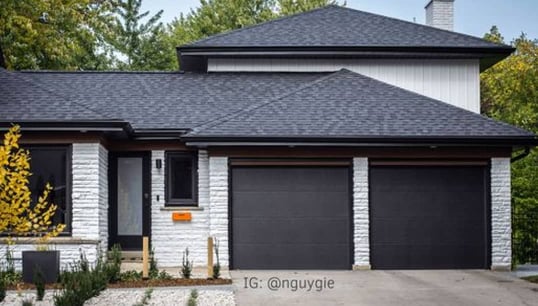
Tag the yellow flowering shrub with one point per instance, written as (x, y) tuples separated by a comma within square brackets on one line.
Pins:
[(18, 216)]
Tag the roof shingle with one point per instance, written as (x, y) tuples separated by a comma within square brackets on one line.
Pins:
[(337, 26)]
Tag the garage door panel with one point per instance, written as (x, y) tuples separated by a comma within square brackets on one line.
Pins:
[(262, 256), (299, 204), (291, 218), (291, 230), (428, 217), (292, 179), (429, 257)]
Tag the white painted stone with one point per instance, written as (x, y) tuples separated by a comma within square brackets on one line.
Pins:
[(361, 216), (218, 199), (170, 238), (501, 226), (440, 14)]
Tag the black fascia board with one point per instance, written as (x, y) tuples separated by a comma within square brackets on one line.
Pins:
[(70, 125), (510, 141)]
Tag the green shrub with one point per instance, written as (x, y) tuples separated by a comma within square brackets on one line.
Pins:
[(39, 283), (7, 270), (2, 290), (153, 269), (113, 266), (131, 275), (186, 265), (164, 275), (192, 298), (81, 283)]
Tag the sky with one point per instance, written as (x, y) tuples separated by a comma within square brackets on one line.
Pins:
[(474, 17)]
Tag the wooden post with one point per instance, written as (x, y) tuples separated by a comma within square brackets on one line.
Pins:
[(209, 257), (145, 257)]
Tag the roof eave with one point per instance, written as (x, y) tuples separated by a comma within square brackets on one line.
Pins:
[(434, 141), (488, 56), (118, 126)]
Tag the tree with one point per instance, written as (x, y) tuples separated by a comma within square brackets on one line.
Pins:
[(140, 43), (53, 34), (289, 7), (510, 93), (18, 216)]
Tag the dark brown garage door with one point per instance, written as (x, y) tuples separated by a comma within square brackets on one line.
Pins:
[(291, 218), (429, 217)]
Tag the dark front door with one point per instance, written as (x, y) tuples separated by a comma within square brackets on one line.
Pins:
[(291, 218), (425, 217), (130, 199)]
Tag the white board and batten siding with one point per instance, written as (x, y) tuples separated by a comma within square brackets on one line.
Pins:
[(453, 81)]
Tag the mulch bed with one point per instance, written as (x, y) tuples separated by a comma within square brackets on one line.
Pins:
[(140, 283)]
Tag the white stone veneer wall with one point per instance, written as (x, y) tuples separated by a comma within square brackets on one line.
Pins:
[(501, 222), (218, 198), (170, 238), (361, 217)]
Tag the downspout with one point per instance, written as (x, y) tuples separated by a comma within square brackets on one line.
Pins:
[(521, 156)]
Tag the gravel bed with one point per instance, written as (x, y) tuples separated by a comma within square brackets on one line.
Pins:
[(127, 297)]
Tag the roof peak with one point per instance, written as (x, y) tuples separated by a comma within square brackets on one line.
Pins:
[(339, 26)]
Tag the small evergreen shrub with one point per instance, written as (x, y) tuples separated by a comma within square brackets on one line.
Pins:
[(39, 282), (130, 276), (81, 283), (186, 265), (113, 266), (27, 302), (153, 269), (145, 298), (192, 298)]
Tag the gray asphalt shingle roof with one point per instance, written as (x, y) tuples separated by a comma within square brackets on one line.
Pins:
[(339, 104), (347, 104), (22, 99), (336, 26), (146, 100)]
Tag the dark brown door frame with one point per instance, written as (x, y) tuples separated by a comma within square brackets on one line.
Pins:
[(128, 242)]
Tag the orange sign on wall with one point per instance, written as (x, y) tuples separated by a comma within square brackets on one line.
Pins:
[(181, 216)]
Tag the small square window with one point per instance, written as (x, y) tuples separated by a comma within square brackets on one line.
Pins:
[(181, 179)]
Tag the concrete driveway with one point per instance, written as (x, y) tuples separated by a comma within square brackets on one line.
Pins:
[(382, 288)]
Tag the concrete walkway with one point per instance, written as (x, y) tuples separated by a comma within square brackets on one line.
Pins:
[(382, 288)]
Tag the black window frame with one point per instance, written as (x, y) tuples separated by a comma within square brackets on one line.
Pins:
[(68, 149), (169, 200)]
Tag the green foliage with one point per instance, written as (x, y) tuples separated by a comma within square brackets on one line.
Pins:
[(54, 34), (509, 93), (39, 283), (113, 265), (141, 43), (186, 265), (192, 298), (2, 289), (289, 7), (81, 283), (153, 269), (145, 298), (8, 274), (130, 276)]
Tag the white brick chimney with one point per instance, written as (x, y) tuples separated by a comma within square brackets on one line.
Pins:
[(440, 14)]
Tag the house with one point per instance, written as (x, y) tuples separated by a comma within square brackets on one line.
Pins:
[(331, 139)]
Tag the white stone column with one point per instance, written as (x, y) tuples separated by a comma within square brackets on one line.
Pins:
[(501, 221), (218, 205), (361, 217), (90, 193)]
